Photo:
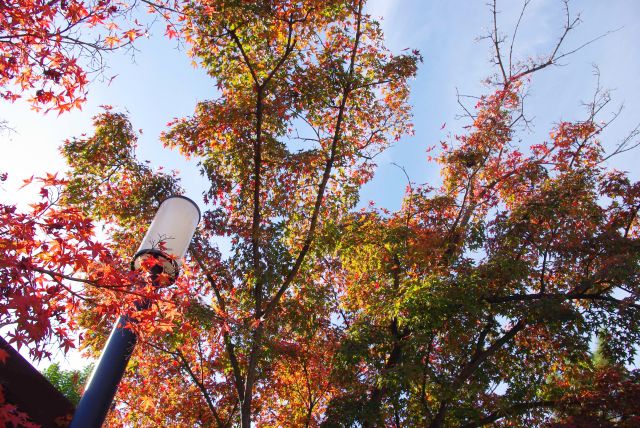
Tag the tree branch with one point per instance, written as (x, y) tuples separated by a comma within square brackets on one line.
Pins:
[(201, 387), (469, 369), (558, 296), (496, 42), (235, 366), (245, 57), (502, 413), (325, 176)]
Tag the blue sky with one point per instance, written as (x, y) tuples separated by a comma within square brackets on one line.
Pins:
[(160, 83)]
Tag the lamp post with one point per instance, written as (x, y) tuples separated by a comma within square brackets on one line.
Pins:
[(167, 241)]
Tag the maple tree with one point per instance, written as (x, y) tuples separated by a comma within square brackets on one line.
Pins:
[(48, 48), (280, 65), (474, 303), (599, 397)]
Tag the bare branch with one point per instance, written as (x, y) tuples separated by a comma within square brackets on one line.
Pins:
[(496, 42), (160, 7), (555, 55), (630, 142), (515, 33), (461, 104)]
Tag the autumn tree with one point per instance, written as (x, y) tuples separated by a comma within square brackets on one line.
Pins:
[(55, 271), (48, 49), (309, 96), (469, 304), (475, 303), (601, 394)]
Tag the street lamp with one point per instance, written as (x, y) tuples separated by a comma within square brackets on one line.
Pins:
[(166, 241)]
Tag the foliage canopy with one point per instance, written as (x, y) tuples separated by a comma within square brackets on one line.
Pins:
[(474, 303)]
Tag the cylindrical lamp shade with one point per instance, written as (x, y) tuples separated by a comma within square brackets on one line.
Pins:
[(170, 233)]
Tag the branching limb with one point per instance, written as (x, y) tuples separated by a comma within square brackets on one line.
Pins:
[(245, 57), (200, 386), (511, 410), (515, 33), (559, 297), (310, 235), (495, 38), (229, 347), (469, 369)]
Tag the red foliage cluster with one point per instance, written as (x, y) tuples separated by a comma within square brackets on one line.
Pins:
[(610, 397), (52, 265), (42, 42), (10, 415)]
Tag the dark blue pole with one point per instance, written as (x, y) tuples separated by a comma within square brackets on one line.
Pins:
[(101, 388), (98, 395)]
